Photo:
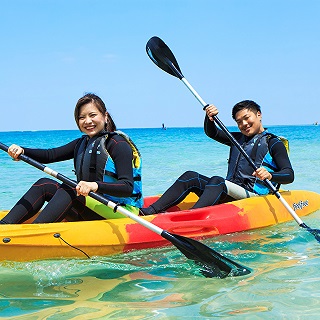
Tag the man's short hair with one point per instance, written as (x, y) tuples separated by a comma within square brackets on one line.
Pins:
[(245, 104)]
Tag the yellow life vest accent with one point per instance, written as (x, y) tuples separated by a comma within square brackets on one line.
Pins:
[(136, 159), (285, 141)]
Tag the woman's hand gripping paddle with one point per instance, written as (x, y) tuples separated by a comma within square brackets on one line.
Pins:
[(214, 264), (163, 57)]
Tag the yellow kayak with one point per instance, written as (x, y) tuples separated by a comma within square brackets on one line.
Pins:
[(24, 242)]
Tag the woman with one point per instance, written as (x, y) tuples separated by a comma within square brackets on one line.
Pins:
[(106, 161)]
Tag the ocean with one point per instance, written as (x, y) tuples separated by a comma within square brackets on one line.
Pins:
[(161, 283)]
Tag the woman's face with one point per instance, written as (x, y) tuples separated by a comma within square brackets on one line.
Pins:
[(91, 121)]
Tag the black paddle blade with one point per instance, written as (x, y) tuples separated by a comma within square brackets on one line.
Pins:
[(314, 232), (162, 56), (213, 263)]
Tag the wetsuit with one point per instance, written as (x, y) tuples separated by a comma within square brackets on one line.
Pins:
[(65, 203), (214, 190)]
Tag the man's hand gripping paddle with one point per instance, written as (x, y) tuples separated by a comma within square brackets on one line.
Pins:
[(163, 57)]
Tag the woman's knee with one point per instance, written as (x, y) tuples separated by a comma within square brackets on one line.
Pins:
[(66, 189), (43, 181), (47, 186)]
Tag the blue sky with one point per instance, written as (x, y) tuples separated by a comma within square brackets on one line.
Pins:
[(54, 51)]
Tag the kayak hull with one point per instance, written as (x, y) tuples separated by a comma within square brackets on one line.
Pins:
[(25, 242)]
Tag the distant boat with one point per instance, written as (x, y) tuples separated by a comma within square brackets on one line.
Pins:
[(316, 123), (164, 127)]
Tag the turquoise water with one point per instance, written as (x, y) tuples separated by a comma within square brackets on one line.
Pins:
[(162, 283)]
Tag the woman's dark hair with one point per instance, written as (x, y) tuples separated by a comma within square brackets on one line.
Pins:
[(92, 98), (245, 104)]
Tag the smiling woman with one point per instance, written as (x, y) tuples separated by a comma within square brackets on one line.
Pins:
[(105, 160), (92, 117), (90, 120)]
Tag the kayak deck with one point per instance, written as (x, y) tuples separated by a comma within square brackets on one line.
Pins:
[(26, 242)]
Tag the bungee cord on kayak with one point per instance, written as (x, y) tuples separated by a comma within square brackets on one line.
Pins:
[(215, 264)]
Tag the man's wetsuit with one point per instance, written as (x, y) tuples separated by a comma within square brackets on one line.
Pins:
[(213, 190), (65, 203)]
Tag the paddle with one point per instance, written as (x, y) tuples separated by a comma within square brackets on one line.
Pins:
[(163, 57), (214, 264)]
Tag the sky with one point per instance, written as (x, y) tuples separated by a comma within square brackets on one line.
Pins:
[(55, 51)]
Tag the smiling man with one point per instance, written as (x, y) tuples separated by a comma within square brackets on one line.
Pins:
[(265, 149)]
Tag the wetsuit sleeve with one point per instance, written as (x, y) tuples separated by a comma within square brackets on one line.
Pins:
[(279, 154), (121, 153), (213, 132), (65, 152)]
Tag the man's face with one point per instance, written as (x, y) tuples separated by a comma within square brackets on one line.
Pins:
[(249, 122)]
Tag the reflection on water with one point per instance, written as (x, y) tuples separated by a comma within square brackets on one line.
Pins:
[(162, 284)]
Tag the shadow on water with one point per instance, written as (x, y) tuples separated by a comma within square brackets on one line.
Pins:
[(162, 284)]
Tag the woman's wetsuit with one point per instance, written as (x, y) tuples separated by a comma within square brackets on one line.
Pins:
[(213, 190), (63, 201)]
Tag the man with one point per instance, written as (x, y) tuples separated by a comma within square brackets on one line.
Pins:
[(266, 150)]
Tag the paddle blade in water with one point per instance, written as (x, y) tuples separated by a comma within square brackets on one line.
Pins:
[(213, 263), (314, 232), (162, 56)]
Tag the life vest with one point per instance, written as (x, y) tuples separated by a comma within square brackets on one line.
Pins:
[(258, 149), (93, 163)]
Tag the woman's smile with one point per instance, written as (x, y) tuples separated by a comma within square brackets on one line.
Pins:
[(91, 120)]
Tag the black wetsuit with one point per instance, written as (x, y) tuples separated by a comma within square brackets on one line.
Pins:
[(283, 173), (62, 199), (213, 190)]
